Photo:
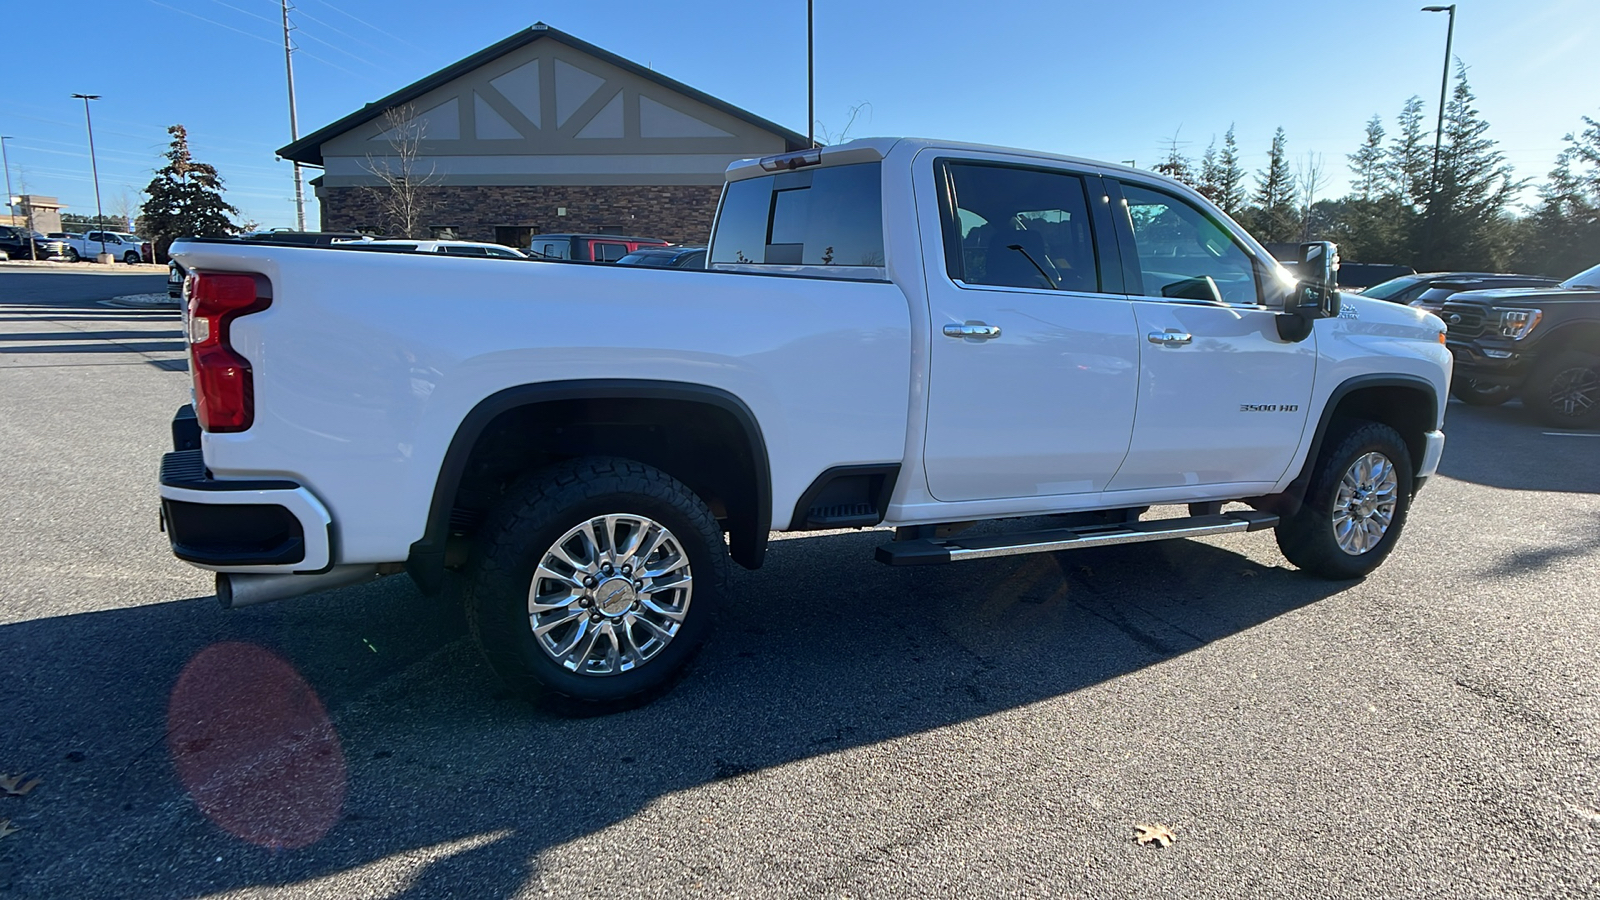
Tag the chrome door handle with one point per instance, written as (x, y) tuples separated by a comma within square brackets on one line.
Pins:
[(1169, 338), (972, 330)]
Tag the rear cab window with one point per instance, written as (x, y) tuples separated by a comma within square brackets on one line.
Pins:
[(823, 222)]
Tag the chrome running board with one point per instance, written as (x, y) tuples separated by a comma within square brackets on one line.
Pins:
[(932, 551)]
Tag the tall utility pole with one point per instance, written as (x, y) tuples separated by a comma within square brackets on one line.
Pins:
[(1444, 83), (94, 167), (811, 79), (11, 211), (294, 121)]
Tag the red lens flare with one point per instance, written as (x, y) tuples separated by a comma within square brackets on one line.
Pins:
[(254, 747)]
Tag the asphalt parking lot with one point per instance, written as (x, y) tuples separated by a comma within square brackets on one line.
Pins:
[(984, 729)]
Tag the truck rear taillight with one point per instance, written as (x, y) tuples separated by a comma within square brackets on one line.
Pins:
[(224, 392)]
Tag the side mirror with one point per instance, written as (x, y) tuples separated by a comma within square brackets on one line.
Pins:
[(1316, 294)]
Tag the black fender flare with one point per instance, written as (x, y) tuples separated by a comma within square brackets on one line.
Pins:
[(748, 540), (1289, 501)]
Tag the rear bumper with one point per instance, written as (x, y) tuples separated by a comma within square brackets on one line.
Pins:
[(271, 526)]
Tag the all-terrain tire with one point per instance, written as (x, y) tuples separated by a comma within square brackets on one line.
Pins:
[(530, 522), (1472, 393), (1310, 539), (1564, 390)]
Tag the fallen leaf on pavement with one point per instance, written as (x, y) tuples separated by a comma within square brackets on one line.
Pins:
[(8, 785), (7, 828), (1158, 834)]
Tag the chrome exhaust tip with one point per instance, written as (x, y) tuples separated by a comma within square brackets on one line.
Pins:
[(235, 589)]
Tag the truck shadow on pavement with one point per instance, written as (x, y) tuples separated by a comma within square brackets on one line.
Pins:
[(820, 651)]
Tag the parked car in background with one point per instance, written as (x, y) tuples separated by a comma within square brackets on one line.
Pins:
[(15, 244), (303, 238), (1540, 343), (123, 247), (667, 258), (1408, 288), (588, 247), (1439, 291), (448, 248)]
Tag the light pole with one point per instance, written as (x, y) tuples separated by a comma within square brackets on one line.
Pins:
[(11, 210), (811, 78), (94, 167), (294, 122), (1444, 83)]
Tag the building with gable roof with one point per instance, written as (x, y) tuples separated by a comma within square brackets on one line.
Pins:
[(541, 133)]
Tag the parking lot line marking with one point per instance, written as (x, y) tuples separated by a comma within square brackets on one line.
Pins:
[(1573, 433)]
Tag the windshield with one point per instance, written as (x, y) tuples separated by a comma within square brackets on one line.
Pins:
[(1391, 287), (1588, 278)]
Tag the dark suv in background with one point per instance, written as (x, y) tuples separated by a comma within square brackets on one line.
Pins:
[(14, 244), (1540, 343), (1409, 289)]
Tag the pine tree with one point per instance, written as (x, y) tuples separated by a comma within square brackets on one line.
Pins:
[(185, 199), (1465, 224), (1409, 158), (1210, 178), (1367, 163), (1274, 217), (1369, 221), (1176, 165), (1230, 176), (1564, 231)]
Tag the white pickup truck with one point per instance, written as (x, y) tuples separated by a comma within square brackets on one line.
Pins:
[(909, 333)]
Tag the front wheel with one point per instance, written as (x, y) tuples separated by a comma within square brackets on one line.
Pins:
[(596, 584), (1564, 391), (131, 258), (1477, 393), (72, 255), (1355, 506)]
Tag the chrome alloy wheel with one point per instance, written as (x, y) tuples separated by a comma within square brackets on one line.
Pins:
[(610, 594), (1365, 504), (1575, 391)]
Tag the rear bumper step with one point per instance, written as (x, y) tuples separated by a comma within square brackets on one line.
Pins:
[(932, 551)]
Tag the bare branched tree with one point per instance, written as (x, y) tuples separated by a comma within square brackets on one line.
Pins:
[(1311, 176), (403, 196), (827, 137)]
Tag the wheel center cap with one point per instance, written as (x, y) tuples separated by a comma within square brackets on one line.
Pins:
[(615, 596)]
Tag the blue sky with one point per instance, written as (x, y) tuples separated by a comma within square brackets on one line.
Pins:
[(1110, 81)]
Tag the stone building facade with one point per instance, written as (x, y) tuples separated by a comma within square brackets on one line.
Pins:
[(512, 214), (539, 134)]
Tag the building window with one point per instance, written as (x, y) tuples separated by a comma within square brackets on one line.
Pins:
[(443, 232), (515, 235)]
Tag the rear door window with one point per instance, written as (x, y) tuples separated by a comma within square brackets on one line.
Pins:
[(812, 217), (1020, 227)]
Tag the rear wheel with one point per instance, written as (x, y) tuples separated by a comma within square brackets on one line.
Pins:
[(1355, 506), (1564, 391), (596, 585), (1477, 393)]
